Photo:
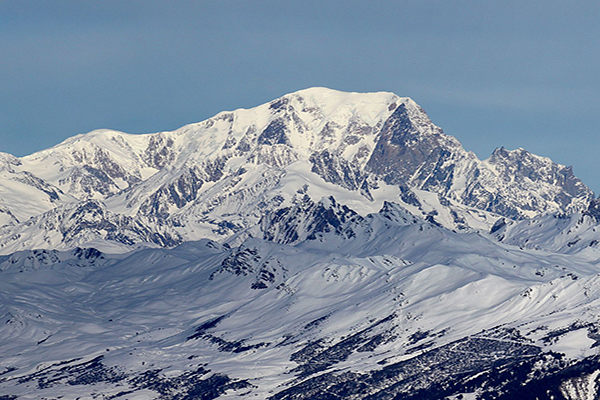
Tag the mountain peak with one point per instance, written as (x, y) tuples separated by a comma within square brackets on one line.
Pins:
[(326, 96)]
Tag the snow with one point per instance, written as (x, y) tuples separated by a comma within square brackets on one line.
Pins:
[(575, 345), (152, 299), (584, 388)]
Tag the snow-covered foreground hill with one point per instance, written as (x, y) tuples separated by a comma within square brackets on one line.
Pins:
[(386, 306), (325, 245)]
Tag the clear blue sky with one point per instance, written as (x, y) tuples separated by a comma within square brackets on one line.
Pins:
[(491, 73)]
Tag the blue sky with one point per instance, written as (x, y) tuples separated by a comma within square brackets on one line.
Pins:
[(504, 73)]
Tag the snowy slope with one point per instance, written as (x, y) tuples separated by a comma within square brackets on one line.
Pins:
[(24, 194), (269, 320)]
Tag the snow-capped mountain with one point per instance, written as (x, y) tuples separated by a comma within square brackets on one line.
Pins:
[(218, 178), (325, 245)]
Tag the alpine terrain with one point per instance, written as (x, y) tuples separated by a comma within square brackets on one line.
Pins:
[(326, 245)]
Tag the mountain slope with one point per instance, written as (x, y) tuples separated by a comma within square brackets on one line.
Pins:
[(24, 194), (395, 306)]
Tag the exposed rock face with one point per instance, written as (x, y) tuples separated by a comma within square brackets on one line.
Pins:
[(517, 184), (305, 219), (335, 169), (159, 152), (176, 193), (523, 184), (411, 150), (594, 209)]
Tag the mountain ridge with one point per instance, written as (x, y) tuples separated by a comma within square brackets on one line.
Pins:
[(204, 174)]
